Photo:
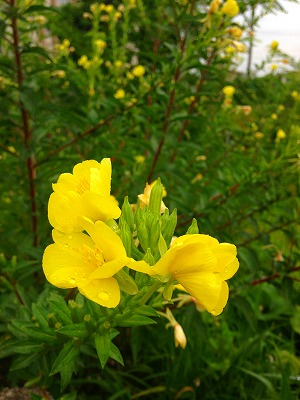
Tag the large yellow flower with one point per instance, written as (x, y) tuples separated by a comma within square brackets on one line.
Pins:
[(87, 262), (85, 193), (201, 265)]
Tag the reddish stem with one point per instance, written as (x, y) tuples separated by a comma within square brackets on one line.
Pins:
[(30, 161)]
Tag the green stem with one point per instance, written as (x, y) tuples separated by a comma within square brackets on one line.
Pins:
[(152, 289)]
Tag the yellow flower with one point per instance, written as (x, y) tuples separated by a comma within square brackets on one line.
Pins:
[(201, 265), (138, 71), (228, 91), (274, 67), (235, 31), (214, 6), (280, 134), (239, 46), (295, 94), (59, 73), (85, 193), (274, 45), (230, 8), (139, 159), (258, 135), (145, 197), (274, 116), (87, 262), (120, 94), (84, 62), (101, 44), (118, 63)]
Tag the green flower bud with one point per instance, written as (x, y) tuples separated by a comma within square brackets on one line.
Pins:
[(142, 233), (169, 227), (156, 197), (90, 323), (162, 246), (125, 235), (154, 234), (76, 311), (126, 282), (193, 229), (127, 213), (148, 257)]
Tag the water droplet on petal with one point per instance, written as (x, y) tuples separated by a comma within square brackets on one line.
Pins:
[(72, 281), (70, 237), (66, 245), (103, 296)]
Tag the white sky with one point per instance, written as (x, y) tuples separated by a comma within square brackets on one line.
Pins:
[(285, 28)]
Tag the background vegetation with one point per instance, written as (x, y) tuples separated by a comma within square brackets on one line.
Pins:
[(69, 91)]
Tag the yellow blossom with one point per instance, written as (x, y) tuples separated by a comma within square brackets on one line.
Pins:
[(129, 75), (85, 193), (138, 71), (87, 262), (139, 159), (197, 178), (228, 91), (274, 67), (120, 94), (245, 109), (104, 18), (258, 135), (230, 8), (239, 46), (274, 116), (274, 45), (235, 31), (101, 44), (145, 197), (230, 50), (214, 6), (66, 43), (285, 61), (295, 94), (118, 63), (201, 265), (280, 134), (59, 73), (109, 8), (280, 107), (84, 62)]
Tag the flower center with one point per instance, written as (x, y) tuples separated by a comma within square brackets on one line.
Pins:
[(92, 256)]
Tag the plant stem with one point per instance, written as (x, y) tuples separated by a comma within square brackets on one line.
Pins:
[(152, 289), (30, 160)]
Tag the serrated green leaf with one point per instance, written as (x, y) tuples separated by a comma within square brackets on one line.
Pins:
[(103, 347)]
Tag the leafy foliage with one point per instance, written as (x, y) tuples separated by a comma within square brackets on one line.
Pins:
[(223, 165)]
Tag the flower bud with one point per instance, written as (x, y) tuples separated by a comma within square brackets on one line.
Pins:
[(127, 213), (193, 229), (179, 336), (125, 235)]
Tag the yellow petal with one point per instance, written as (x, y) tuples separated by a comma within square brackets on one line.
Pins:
[(204, 287), (105, 292), (63, 267), (193, 258), (97, 207), (63, 212), (141, 266), (65, 182), (106, 240), (222, 300), (225, 253), (74, 241), (109, 269), (230, 269)]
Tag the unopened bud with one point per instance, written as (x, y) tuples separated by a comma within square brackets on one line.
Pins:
[(179, 336)]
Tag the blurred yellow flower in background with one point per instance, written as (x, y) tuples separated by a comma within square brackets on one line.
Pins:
[(230, 8), (228, 91), (280, 134), (138, 71), (120, 94), (274, 45)]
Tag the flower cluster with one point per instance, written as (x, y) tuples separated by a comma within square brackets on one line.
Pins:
[(90, 249)]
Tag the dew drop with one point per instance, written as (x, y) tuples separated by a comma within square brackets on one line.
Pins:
[(103, 296), (72, 281), (66, 245), (70, 237)]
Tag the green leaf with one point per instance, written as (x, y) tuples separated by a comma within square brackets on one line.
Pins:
[(42, 334), (145, 310), (115, 354), (40, 314), (27, 347), (103, 347), (66, 356), (74, 330), (135, 320), (24, 361), (60, 308)]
